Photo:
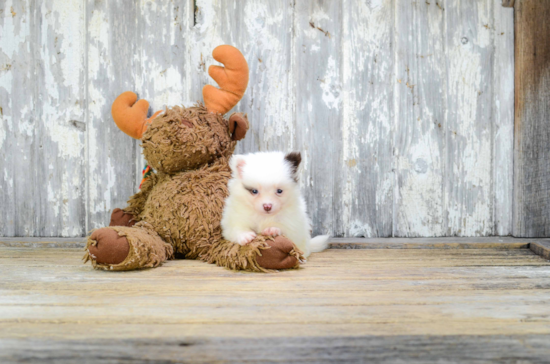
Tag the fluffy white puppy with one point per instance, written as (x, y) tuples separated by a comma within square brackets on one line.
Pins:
[(264, 197)]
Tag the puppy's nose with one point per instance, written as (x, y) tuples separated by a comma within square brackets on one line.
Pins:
[(267, 206)]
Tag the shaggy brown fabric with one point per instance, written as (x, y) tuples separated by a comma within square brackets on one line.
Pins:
[(179, 208), (146, 248), (136, 203), (109, 247), (120, 218), (171, 146), (186, 209), (282, 255)]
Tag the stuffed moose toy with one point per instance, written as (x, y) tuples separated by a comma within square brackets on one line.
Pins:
[(177, 212)]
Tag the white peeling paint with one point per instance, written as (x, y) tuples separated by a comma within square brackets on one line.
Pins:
[(3, 131), (12, 34), (329, 85), (270, 53), (421, 189), (405, 163), (98, 31)]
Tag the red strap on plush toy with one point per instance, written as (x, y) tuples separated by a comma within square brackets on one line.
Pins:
[(145, 174)]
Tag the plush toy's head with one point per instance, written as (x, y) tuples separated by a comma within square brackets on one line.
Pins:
[(186, 138)]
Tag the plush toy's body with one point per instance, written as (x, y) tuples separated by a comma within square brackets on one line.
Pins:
[(178, 211)]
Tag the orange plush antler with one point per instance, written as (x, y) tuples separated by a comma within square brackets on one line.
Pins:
[(131, 116), (233, 79)]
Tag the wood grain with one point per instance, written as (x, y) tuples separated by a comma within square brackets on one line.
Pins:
[(61, 118), (432, 243), (18, 120), (503, 120), (111, 54), (335, 243), (541, 248), (401, 109), (161, 57), (532, 120), (317, 61), (432, 301), (365, 168), (325, 349), (420, 119), (265, 37), (469, 126)]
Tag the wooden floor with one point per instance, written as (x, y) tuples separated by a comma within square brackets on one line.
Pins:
[(372, 305)]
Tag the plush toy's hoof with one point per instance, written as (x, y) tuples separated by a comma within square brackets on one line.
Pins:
[(281, 255), (110, 247), (121, 218)]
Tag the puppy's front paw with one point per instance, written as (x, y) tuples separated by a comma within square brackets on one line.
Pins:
[(272, 231), (246, 238)]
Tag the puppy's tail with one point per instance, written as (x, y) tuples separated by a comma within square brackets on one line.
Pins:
[(318, 243)]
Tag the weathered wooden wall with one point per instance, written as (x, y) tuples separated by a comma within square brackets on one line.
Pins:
[(403, 109), (532, 122)]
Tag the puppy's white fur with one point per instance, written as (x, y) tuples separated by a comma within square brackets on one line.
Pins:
[(261, 180)]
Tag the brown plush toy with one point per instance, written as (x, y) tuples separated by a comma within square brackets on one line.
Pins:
[(178, 210)]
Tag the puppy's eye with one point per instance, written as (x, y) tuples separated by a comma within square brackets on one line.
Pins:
[(279, 191), (254, 192)]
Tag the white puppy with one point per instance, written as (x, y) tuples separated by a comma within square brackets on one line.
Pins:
[(264, 197)]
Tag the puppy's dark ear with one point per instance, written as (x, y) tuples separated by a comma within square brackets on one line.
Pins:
[(294, 159)]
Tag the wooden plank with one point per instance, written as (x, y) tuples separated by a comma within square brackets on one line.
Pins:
[(541, 248), (531, 348), (432, 243), (469, 125), (335, 243), (420, 119), (265, 38), (111, 41), (419, 305), (412, 254), (163, 28), (508, 3), (205, 36), (18, 146), (250, 331), (278, 315), (60, 124), (39, 299), (385, 286), (428, 273), (532, 119), (317, 64), (66, 158), (364, 173), (43, 242), (503, 119)]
